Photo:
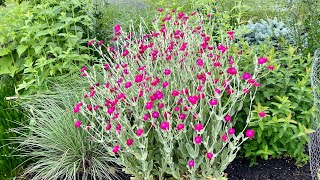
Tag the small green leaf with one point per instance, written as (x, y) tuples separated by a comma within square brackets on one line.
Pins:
[(21, 49)]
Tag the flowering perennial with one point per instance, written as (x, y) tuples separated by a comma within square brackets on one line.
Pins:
[(170, 97)]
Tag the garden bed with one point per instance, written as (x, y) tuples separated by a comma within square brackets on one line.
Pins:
[(273, 169)]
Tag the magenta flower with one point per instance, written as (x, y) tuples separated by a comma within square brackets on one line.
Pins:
[(108, 126), (216, 64), (165, 84), (180, 127), (232, 71), (165, 125), (191, 163), (155, 114), (198, 127), (198, 140), (138, 78), (139, 132), (167, 71), (209, 155), (130, 142), (175, 93), (271, 68), (231, 131), (224, 137), (246, 76), (262, 60), (149, 105), (146, 117), (125, 52), (193, 99), (90, 42), (116, 149), (100, 42), (117, 28), (111, 110), (200, 62), (250, 133), (213, 102), (182, 116), (262, 114), (128, 85), (77, 124), (83, 69), (227, 118), (118, 128), (161, 105)]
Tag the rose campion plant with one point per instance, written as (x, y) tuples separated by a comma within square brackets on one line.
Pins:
[(166, 102)]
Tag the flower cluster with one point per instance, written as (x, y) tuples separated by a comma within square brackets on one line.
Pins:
[(173, 92)]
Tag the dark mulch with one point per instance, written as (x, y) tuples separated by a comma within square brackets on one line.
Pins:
[(272, 169)]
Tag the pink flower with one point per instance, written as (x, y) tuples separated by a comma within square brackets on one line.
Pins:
[(270, 68), (177, 108), (232, 71), (198, 140), (108, 126), (77, 124), (262, 114), (213, 102), (246, 76), (158, 95), (116, 149), (149, 105), (227, 118), (165, 125), (125, 52), (182, 116), (250, 133), (193, 99), (155, 114), (165, 84), (161, 105), (118, 128), (146, 117), (200, 62), (129, 142), (167, 71), (111, 110), (209, 155), (175, 93), (138, 78), (90, 42), (100, 42), (180, 127), (139, 132), (198, 127), (216, 64), (76, 109), (128, 85), (117, 28), (191, 163), (231, 131), (83, 69), (224, 137), (262, 60)]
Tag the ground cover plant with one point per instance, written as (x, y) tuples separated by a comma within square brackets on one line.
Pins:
[(166, 104)]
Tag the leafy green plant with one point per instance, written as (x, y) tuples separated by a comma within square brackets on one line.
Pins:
[(11, 116), (44, 39), (289, 109), (57, 149)]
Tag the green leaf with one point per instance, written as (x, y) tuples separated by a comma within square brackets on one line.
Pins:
[(4, 51), (21, 49)]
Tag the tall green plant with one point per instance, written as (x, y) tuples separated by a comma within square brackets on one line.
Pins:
[(57, 149), (44, 39), (11, 116)]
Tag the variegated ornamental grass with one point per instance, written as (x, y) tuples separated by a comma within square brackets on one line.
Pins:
[(165, 102)]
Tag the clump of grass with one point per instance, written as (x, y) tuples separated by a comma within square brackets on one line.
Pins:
[(56, 147)]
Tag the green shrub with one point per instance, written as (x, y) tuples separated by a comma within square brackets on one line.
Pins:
[(43, 40), (57, 149), (284, 131), (11, 116)]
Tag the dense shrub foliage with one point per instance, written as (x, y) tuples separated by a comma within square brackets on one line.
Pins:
[(43, 39)]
